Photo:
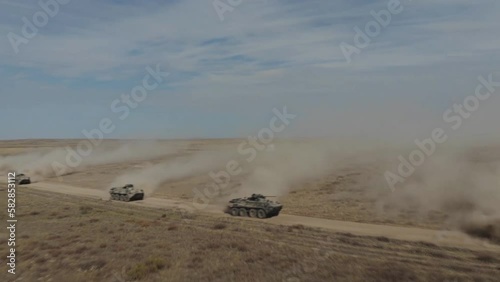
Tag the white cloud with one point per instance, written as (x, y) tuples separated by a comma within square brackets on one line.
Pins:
[(274, 51)]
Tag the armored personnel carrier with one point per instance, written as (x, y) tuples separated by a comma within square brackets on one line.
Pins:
[(254, 206), (126, 193), (21, 179)]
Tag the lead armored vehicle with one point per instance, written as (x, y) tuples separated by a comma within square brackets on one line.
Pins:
[(22, 179), (126, 193), (254, 206)]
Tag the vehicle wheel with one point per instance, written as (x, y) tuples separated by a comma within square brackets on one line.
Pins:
[(261, 214), (234, 212), (253, 213), (243, 212)]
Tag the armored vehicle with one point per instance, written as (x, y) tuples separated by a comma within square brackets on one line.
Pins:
[(21, 179), (126, 193), (254, 206)]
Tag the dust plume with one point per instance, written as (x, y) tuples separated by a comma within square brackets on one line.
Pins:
[(150, 178), (293, 163), (463, 184), (47, 163)]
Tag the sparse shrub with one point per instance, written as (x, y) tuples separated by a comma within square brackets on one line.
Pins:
[(349, 241), (103, 245), (212, 246), (250, 260), (173, 226), (427, 244), (382, 239), (238, 245), (80, 249), (92, 252), (346, 234), (34, 213), (85, 209), (142, 270), (195, 262), (42, 269), (55, 253), (144, 223), (298, 227), (155, 264), (137, 272), (54, 237), (393, 272), (219, 226), (93, 220), (486, 258), (188, 215), (437, 254)]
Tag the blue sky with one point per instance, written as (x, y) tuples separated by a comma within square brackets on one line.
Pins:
[(227, 76)]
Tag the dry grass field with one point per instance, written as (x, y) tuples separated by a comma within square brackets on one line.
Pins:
[(66, 238), (70, 238)]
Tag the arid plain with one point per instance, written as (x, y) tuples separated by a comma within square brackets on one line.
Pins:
[(340, 220)]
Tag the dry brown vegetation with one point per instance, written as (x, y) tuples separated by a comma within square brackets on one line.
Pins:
[(66, 238)]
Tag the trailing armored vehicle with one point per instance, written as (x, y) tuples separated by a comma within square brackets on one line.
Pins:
[(22, 179), (126, 193), (254, 206)]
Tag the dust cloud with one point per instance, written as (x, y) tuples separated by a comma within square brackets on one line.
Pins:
[(291, 164), (150, 178), (46, 163), (463, 184), (461, 181)]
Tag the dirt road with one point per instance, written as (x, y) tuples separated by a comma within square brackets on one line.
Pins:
[(446, 238)]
